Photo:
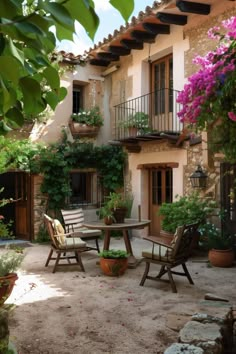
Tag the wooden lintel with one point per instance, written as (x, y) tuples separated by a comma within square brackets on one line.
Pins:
[(157, 165)]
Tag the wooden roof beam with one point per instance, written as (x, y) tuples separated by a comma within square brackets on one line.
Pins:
[(180, 20), (119, 50), (131, 44), (143, 36), (155, 28), (193, 7)]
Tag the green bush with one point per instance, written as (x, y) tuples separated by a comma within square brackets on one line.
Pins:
[(185, 210)]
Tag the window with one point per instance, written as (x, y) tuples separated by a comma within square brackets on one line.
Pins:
[(84, 188), (77, 98)]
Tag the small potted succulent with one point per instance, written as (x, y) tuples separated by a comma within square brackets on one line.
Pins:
[(113, 262)]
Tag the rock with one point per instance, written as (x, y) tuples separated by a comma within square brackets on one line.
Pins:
[(176, 321), (194, 332), (180, 348)]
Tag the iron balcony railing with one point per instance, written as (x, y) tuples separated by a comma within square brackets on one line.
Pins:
[(155, 112)]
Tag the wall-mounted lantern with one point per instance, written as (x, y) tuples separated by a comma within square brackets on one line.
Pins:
[(198, 178)]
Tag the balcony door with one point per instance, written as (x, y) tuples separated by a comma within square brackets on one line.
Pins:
[(162, 88), (161, 191)]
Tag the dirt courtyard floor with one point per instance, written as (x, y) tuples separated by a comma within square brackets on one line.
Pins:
[(71, 312)]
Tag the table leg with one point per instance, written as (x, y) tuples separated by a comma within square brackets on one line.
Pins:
[(107, 236), (132, 261)]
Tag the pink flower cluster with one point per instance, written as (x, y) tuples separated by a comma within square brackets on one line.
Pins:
[(206, 86)]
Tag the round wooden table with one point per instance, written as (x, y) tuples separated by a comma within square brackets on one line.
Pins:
[(129, 224)]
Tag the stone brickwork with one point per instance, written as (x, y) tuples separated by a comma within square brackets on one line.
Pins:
[(210, 331), (40, 201), (198, 35), (157, 147)]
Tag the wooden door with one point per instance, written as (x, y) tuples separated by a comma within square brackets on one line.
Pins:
[(162, 88), (160, 192), (23, 210), (17, 185)]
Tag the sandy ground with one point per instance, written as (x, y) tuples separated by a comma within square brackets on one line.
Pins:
[(71, 312)]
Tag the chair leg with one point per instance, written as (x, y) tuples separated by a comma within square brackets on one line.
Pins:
[(172, 283), (161, 272), (49, 257), (79, 260), (187, 274), (145, 273), (57, 261), (97, 245)]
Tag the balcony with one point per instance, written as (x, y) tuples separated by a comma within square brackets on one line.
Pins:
[(148, 117)]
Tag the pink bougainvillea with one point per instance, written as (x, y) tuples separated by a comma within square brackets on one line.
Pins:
[(210, 92)]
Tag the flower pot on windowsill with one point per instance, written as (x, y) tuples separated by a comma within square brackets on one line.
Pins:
[(80, 129)]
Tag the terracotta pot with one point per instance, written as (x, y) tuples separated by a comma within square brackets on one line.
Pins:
[(79, 129), (108, 220), (6, 285), (114, 267), (221, 258), (133, 131)]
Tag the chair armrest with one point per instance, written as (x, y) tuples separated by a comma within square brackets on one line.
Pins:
[(158, 241)]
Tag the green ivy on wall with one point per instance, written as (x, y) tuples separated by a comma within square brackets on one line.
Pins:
[(54, 162)]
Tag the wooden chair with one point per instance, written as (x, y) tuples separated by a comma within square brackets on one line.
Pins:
[(63, 244), (170, 256), (73, 221)]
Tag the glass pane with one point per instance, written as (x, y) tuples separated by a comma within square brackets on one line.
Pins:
[(156, 187), (169, 189), (80, 183)]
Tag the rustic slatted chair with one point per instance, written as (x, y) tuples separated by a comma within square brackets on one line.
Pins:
[(170, 256), (63, 244), (73, 221)]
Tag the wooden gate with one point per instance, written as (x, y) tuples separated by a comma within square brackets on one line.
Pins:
[(17, 185)]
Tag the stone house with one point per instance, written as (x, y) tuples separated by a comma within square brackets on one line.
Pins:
[(134, 76)]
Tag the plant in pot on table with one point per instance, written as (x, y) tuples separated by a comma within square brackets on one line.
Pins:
[(119, 205), (113, 262), (107, 215)]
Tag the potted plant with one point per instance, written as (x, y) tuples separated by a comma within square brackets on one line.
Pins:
[(113, 262), (219, 245), (86, 122), (185, 210), (119, 205), (137, 123), (107, 215), (9, 263)]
